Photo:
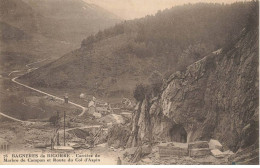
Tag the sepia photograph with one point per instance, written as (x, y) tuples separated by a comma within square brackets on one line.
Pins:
[(129, 82)]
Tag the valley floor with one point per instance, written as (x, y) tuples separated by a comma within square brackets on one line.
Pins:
[(25, 104), (23, 137)]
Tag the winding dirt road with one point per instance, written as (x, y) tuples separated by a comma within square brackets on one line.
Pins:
[(50, 95), (39, 91), (28, 65), (14, 119)]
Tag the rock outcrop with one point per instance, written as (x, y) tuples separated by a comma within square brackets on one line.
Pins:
[(118, 136), (216, 97)]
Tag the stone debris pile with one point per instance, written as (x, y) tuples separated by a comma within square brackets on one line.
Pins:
[(198, 149), (215, 144), (173, 149), (198, 152)]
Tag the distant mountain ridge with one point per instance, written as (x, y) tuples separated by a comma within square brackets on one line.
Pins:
[(113, 61), (75, 19), (46, 28)]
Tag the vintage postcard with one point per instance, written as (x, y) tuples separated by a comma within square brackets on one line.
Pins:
[(129, 82)]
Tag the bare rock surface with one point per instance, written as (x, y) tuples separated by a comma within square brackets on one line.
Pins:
[(213, 99)]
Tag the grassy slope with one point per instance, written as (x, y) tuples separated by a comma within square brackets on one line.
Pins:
[(31, 31), (113, 61)]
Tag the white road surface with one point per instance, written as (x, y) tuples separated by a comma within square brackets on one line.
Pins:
[(39, 91), (84, 127), (14, 119), (13, 72), (50, 95), (28, 65)]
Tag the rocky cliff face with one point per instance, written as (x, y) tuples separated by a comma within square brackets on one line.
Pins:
[(216, 97)]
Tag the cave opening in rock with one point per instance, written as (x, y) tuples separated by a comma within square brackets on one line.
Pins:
[(178, 134)]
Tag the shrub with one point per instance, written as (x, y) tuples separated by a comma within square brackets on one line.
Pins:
[(139, 92), (54, 120)]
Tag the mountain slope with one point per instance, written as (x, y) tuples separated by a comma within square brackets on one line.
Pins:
[(18, 14), (9, 33), (72, 20), (113, 61), (214, 98), (46, 28)]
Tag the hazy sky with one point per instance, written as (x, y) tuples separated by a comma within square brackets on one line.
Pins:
[(129, 9)]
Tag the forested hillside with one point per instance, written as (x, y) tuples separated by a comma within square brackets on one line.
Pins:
[(213, 98), (113, 61), (192, 30)]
